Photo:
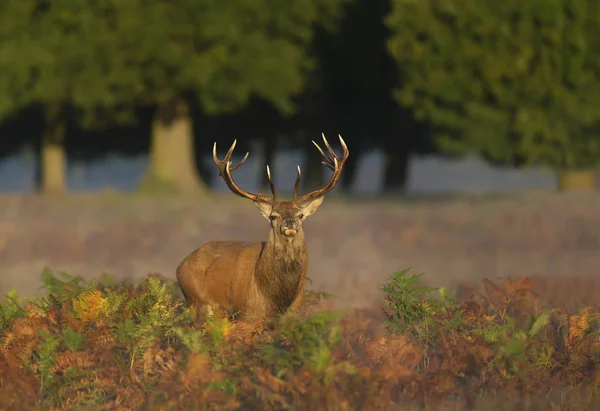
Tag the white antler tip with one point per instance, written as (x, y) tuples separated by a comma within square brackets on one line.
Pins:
[(268, 171)]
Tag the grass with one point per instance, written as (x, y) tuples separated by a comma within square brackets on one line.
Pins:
[(117, 345)]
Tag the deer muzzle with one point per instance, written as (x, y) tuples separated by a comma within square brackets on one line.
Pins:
[(289, 228)]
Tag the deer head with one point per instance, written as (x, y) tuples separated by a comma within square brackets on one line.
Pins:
[(286, 217)]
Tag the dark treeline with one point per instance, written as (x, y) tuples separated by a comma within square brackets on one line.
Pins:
[(517, 83)]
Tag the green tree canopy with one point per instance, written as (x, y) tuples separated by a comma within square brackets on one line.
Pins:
[(222, 51), (513, 79), (63, 53)]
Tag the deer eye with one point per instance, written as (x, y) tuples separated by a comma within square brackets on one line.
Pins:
[(301, 216), (273, 217)]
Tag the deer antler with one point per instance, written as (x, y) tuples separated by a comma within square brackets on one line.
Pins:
[(225, 170), (334, 163)]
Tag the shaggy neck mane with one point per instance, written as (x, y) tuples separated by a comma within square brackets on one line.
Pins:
[(280, 269)]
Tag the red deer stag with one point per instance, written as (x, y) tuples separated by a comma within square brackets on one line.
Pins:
[(257, 281)]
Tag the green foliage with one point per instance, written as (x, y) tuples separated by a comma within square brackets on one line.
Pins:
[(63, 286), (118, 345), (491, 331), (516, 81), (135, 337), (104, 57), (217, 329), (255, 48), (61, 53), (73, 340), (193, 340), (10, 308), (517, 345), (407, 301), (150, 318), (411, 308), (156, 308), (44, 357), (309, 344)]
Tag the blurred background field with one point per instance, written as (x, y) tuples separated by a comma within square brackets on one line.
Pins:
[(354, 243)]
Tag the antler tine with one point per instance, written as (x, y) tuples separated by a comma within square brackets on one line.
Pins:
[(328, 163), (230, 151), (225, 169), (271, 184), (334, 163), (331, 152), (228, 157), (240, 163), (297, 184)]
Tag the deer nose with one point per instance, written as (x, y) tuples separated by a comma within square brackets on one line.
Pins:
[(290, 224)]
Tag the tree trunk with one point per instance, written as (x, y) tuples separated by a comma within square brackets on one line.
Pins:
[(53, 158), (172, 166), (396, 172), (572, 180)]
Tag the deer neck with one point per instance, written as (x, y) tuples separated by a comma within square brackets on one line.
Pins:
[(281, 269)]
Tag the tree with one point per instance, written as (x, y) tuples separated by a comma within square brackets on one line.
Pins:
[(59, 56), (516, 81), (218, 55)]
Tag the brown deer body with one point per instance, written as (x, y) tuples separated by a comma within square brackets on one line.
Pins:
[(263, 280)]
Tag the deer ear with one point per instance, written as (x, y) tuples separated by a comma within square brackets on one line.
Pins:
[(311, 206), (265, 208)]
